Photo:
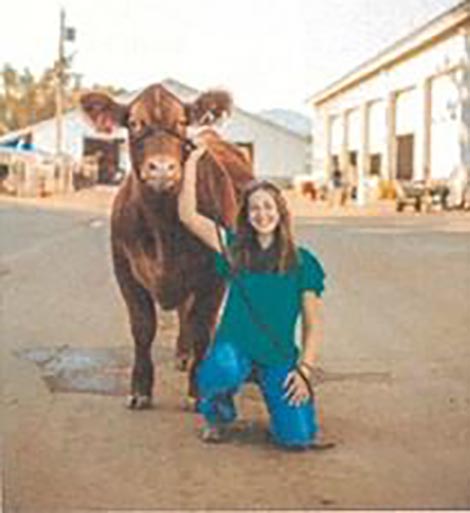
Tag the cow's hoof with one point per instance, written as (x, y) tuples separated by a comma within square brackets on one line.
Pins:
[(139, 402), (190, 404), (181, 363)]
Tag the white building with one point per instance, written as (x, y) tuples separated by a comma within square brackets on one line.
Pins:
[(404, 114), (277, 152)]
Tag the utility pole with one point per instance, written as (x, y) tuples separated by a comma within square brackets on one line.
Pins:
[(65, 34), (60, 87)]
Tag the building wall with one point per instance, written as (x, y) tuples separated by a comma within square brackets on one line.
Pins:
[(44, 136), (464, 88), (446, 109), (425, 95), (75, 129), (277, 154)]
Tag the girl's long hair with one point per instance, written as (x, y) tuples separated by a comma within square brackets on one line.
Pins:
[(246, 242)]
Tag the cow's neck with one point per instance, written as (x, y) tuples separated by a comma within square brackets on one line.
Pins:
[(155, 206)]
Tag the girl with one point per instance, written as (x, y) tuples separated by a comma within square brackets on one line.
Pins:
[(270, 283)]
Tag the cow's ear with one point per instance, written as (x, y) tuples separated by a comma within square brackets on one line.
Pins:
[(209, 107), (103, 112)]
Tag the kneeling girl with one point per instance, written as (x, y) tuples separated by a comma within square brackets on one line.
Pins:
[(270, 283)]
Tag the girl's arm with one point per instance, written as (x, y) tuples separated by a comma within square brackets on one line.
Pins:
[(297, 390), (312, 329), (200, 225)]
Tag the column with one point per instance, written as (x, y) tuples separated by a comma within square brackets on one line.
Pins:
[(344, 156), (422, 153), (390, 158), (326, 144), (363, 156)]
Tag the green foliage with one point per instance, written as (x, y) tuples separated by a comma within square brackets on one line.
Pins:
[(26, 99)]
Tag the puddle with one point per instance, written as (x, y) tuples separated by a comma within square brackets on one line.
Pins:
[(90, 370), (103, 371)]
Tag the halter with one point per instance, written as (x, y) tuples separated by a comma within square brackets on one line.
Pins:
[(186, 144)]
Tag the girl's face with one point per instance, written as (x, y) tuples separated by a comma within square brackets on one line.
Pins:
[(263, 213)]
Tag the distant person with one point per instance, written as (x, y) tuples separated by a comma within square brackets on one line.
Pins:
[(27, 142), (337, 187), (270, 283), (337, 178)]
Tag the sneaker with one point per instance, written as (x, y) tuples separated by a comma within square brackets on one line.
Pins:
[(322, 445), (316, 445), (213, 434)]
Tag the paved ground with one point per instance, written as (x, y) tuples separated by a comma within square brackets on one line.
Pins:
[(395, 388)]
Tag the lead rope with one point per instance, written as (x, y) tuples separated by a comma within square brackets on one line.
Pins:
[(267, 329)]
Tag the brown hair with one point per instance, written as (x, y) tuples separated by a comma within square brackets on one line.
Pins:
[(244, 246)]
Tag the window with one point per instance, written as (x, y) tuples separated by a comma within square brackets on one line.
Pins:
[(375, 164)]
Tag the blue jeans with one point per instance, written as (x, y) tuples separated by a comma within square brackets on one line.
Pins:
[(222, 373)]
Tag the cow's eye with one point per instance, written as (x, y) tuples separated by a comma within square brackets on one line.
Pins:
[(136, 125)]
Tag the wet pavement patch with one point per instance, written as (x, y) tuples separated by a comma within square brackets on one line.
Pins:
[(90, 370), (103, 371)]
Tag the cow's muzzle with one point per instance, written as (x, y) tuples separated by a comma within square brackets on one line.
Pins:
[(161, 173)]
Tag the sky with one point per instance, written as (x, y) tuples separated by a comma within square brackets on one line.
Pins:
[(267, 53)]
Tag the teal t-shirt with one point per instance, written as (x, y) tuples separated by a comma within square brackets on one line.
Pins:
[(266, 330)]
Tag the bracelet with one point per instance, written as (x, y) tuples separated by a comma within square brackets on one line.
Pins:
[(307, 366), (306, 381)]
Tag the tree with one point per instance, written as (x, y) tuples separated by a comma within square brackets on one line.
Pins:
[(25, 99), (9, 97)]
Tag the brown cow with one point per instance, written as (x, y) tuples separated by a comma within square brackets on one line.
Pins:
[(156, 259)]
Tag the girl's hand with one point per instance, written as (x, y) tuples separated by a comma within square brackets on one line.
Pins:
[(203, 136), (297, 391), (196, 154), (200, 139)]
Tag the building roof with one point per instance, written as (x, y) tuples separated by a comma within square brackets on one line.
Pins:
[(182, 91), (437, 29), (187, 93)]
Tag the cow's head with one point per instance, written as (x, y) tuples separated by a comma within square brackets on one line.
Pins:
[(157, 123)]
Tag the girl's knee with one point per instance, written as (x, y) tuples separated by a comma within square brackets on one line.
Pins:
[(294, 426), (222, 369)]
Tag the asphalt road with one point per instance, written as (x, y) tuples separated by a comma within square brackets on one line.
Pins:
[(394, 389)]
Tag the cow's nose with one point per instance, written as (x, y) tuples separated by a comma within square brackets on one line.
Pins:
[(159, 167)]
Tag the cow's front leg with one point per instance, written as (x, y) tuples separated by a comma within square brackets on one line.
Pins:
[(184, 349), (143, 325), (201, 321), (143, 321)]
